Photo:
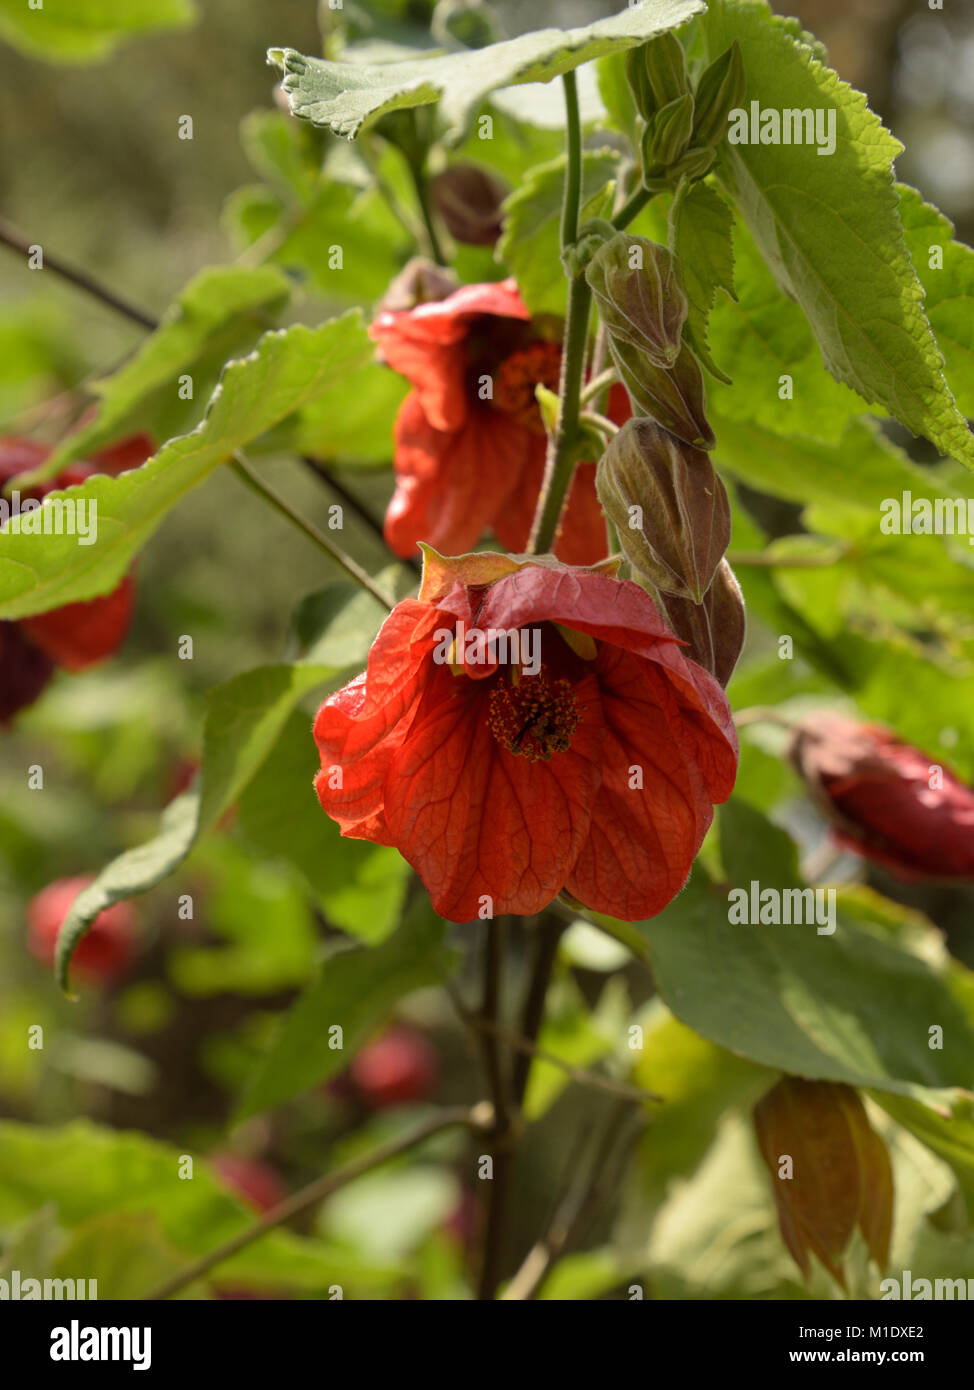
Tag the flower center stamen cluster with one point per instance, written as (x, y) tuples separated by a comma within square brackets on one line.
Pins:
[(533, 717), (517, 376)]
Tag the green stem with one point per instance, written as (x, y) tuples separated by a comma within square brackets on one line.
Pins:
[(247, 476), (418, 175), (560, 463), (631, 208)]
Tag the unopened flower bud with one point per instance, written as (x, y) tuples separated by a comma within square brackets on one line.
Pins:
[(714, 630), (419, 282), (692, 165), (469, 200), (639, 298), (667, 135), (720, 90), (638, 79), (666, 68), (669, 507), (673, 397)]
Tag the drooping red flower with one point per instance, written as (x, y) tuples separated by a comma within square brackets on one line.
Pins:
[(523, 728), (78, 634), (470, 442), (886, 800), (107, 947)]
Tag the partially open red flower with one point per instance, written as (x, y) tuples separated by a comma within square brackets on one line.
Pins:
[(887, 800), (523, 728), (78, 634), (470, 442), (104, 951)]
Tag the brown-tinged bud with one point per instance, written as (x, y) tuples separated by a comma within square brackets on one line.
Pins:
[(830, 1170), (667, 135), (669, 507), (720, 90), (419, 282), (469, 200), (639, 297), (673, 397), (714, 630)]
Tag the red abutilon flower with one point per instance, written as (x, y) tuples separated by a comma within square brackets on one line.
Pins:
[(256, 1183), (77, 634), (886, 800), (523, 728), (106, 948), (470, 442)]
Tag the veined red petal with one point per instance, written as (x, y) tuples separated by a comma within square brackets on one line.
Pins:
[(359, 727), (643, 837), (479, 822), (425, 344), (450, 487)]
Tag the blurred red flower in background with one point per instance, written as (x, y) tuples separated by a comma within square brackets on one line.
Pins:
[(596, 773), (77, 634), (256, 1183), (395, 1069), (106, 949), (468, 461), (886, 800)]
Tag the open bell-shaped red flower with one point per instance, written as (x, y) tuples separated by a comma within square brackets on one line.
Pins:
[(523, 728), (470, 442)]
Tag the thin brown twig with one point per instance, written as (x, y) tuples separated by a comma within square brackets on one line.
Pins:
[(14, 238)]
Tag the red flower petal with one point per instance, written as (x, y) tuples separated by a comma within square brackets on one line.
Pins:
[(477, 821), (423, 344), (359, 727), (79, 634), (642, 840), (450, 487)]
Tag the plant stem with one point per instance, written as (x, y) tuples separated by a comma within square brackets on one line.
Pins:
[(324, 474), (417, 173), (15, 239), (323, 1187), (550, 934), (597, 385), (247, 476), (631, 208), (560, 462), (502, 1135)]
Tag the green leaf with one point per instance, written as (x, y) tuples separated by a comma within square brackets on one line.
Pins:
[(355, 991), (269, 939), (353, 421), (853, 1006), (92, 1172), (829, 230), (343, 96), (763, 336), (701, 227), (219, 312), (244, 719), (287, 369), (949, 287), (79, 31), (359, 886), (529, 243)]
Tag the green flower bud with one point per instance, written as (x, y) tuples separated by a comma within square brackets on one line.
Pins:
[(668, 134), (638, 296), (674, 397), (714, 630), (720, 90), (669, 507), (666, 69), (638, 79), (693, 165)]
